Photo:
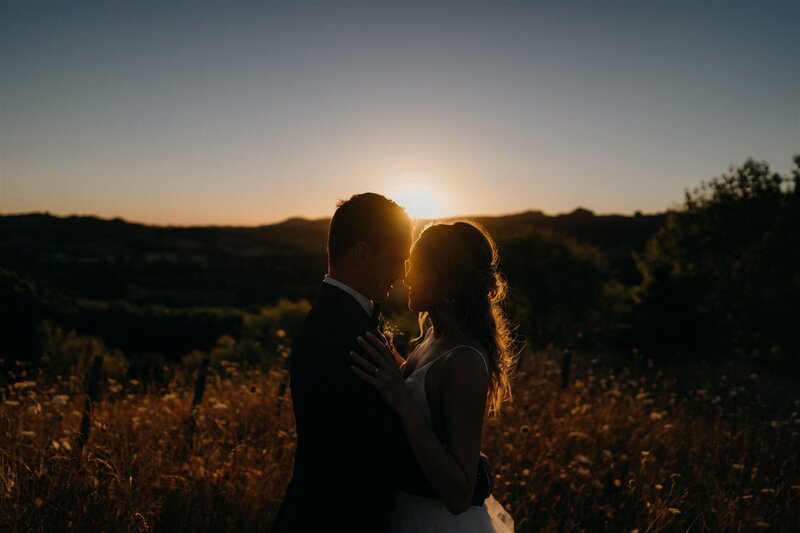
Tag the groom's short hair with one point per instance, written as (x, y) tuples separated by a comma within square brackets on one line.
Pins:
[(367, 217)]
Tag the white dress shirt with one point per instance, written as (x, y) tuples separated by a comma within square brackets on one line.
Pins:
[(362, 300)]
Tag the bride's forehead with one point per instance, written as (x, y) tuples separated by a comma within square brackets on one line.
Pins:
[(418, 256)]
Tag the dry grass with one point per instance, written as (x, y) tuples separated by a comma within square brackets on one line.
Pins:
[(624, 452), (617, 452)]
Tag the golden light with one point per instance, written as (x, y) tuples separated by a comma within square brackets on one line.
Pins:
[(421, 201)]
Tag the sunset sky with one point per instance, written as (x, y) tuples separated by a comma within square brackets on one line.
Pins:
[(246, 113)]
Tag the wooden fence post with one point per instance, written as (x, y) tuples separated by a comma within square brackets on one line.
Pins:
[(636, 361), (93, 390), (566, 364), (283, 385), (199, 388), (200, 385)]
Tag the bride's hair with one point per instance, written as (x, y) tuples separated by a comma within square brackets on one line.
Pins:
[(465, 259)]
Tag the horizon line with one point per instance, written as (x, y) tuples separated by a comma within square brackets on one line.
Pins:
[(318, 219)]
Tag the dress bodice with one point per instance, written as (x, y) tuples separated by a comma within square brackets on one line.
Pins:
[(420, 514)]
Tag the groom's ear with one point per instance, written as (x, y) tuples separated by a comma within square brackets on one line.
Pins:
[(361, 253)]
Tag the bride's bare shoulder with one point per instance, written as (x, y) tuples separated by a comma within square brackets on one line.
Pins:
[(465, 366)]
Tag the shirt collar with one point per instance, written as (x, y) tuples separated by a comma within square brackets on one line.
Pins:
[(362, 300)]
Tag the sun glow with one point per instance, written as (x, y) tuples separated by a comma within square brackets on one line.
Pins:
[(421, 201)]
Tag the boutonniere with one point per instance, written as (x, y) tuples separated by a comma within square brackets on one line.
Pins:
[(390, 331)]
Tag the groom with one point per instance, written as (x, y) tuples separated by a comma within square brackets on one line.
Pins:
[(351, 451)]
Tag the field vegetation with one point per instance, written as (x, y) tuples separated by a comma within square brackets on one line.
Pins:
[(618, 450)]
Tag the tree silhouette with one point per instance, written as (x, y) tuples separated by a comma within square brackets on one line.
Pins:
[(722, 275)]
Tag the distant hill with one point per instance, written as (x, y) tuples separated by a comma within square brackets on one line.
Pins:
[(239, 266)]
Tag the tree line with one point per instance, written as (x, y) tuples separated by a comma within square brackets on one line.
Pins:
[(716, 278)]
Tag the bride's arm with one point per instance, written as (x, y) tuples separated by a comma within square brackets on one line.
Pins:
[(451, 469)]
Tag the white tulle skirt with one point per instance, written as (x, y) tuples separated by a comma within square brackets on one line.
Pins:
[(419, 515)]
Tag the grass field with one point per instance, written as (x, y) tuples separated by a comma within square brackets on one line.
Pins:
[(687, 449)]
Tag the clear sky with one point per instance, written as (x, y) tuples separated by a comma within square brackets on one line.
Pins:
[(249, 113)]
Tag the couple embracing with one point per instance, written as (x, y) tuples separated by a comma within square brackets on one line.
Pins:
[(385, 444)]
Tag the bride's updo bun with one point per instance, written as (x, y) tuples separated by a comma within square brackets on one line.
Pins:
[(465, 259)]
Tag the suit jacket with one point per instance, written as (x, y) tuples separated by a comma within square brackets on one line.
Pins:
[(351, 453)]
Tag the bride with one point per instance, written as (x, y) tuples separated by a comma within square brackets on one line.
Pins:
[(441, 392)]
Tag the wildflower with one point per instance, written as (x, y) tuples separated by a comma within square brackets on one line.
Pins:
[(580, 435), (526, 472), (768, 491), (674, 510), (60, 399), (219, 406), (737, 466), (583, 459), (655, 415), (659, 486), (29, 434), (618, 483), (24, 385), (645, 453)]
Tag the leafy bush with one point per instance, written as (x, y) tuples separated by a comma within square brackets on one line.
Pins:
[(562, 291), (723, 274), (69, 354)]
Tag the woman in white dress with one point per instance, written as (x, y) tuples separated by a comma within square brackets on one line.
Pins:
[(460, 367)]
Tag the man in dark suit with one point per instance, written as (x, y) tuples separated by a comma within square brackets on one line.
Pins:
[(351, 451)]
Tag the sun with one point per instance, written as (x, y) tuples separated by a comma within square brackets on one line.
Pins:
[(420, 201)]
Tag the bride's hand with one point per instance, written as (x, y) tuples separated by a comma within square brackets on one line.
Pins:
[(382, 373)]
